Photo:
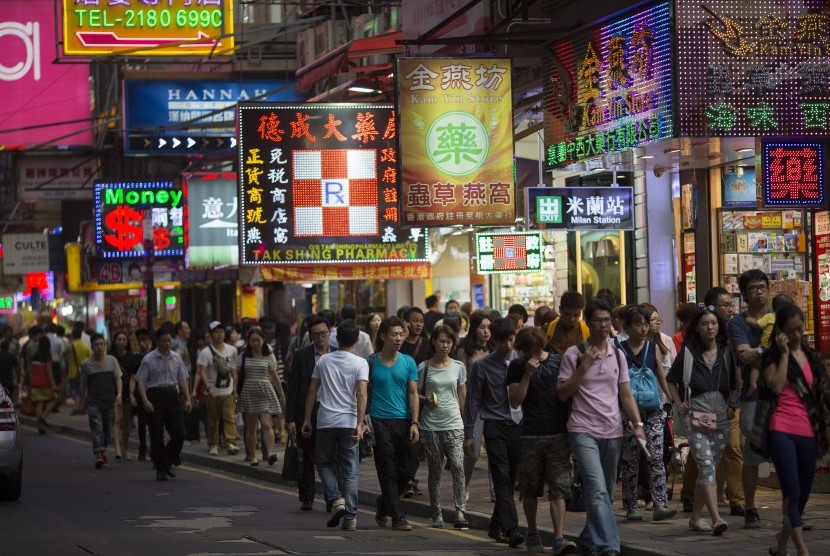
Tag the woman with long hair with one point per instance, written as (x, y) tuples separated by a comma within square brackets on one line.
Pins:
[(44, 389), (442, 391), (474, 346), (662, 341), (711, 385), (641, 353), (129, 362), (794, 373), (373, 321), (261, 395)]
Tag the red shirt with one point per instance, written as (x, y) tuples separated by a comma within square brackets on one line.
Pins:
[(790, 415)]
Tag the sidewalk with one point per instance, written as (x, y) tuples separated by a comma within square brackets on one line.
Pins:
[(671, 537)]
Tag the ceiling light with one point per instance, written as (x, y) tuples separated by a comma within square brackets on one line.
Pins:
[(646, 157), (360, 89), (671, 151), (745, 150)]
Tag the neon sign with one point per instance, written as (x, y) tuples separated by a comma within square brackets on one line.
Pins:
[(127, 214), (610, 88), (749, 69), (43, 282), (498, 253), (318, 183), (133, 28), (793, 174)]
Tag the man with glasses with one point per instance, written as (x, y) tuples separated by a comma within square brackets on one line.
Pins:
[(746, 342), (567, 330), (299, 381), (731, 464)]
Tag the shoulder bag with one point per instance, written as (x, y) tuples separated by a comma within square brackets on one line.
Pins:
[(706, 422), (678, 418)]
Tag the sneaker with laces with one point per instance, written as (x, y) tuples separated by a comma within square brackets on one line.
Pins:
[(338, 510), (213, 450), (751, 519), (534, 543), (349, 524), (401, 524), (233, 449), (562, 546)]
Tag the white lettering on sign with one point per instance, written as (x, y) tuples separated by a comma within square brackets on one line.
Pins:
[(29, 34)]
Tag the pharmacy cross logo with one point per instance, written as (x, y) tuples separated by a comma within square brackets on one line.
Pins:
[(457, 143), (335, 193)]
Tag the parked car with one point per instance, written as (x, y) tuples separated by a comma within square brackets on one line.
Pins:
[(11, 450)]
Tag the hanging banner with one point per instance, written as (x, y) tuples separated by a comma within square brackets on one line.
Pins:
[(580, 208), (753, 69), (517, 252), (793, 174), (609, 88), (318, 184), (128, 213), (456, 140), (214, 223), (147, 28), (56, 178), (317, 272)]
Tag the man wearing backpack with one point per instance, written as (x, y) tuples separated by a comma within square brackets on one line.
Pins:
[(545, 453), (595, 376), (216, 365)]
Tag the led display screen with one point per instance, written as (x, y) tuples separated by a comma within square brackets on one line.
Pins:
[(498, 253), (214, 220), (793, 174), (609, 88), (456, 141), (750, 69), (128, 213), (318, 183), (147, 27)]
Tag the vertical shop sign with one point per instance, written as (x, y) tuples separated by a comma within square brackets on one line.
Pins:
[(318, 183), (498, 253), (214, 220), (822, 282), (609, 88), (753, 69), (126, 312), (128, 213), (793, 174), (689, 264), (456, 139)]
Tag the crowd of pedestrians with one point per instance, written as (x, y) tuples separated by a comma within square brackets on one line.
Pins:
[(568, 406)]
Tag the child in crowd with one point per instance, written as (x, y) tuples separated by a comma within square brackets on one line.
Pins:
[(766, 324)]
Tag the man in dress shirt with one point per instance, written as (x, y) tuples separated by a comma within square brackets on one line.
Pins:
[(162, 383)]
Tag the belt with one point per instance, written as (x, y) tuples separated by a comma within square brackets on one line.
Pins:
[(163, 388)]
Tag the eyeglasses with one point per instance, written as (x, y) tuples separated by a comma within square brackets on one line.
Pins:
[(318, 335), (756, 288)]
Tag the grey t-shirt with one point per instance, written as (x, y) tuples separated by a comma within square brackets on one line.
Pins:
[(445, 384), (100, 378)]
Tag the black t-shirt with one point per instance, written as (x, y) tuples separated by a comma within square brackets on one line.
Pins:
[(420, 351), (8, 364), (703, 379), (130, 362), (544, 413), (430, 319)]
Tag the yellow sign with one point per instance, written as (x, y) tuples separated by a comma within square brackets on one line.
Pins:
[(147, 28), (456, 137)]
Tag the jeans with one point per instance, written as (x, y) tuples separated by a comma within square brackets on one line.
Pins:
[(795, 461), (395, 462), (338, 445), (597, 460), (100, 426), (503, 447)]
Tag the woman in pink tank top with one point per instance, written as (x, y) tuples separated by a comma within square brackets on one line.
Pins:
[(794, 373)]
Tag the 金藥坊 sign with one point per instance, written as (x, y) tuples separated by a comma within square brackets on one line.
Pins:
[(147, 27), (190, 116), (456, 141), (609, 88), (508, 252), (318, 184), (753, 69), (581, 208), (128, 213), (214, 220), (793, 174)]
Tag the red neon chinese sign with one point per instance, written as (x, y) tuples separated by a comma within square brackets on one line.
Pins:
[(793, 174)]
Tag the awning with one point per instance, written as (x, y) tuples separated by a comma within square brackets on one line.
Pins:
[(337, 61)]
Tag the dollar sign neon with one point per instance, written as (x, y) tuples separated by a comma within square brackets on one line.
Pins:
[(161, 238), (126, 223)]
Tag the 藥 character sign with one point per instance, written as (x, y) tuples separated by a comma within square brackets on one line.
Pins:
[(793, 174), (508, 252), (319, 183), (580, 208), (128, 213), (456, 141), (147, 27)]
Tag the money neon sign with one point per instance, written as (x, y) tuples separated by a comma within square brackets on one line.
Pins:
[(127, 214)]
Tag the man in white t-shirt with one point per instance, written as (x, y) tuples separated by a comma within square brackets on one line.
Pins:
[(339, 384), (217, 366)]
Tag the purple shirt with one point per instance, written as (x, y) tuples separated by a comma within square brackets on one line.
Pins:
[(596, 408)]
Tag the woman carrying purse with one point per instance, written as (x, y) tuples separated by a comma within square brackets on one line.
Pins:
[(705, 408)]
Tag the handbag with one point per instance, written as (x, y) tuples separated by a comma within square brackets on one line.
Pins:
[(291, 468), (704, 422), (575, 503), (764, 408)]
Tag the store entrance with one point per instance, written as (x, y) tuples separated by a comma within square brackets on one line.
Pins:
[(602, 267)]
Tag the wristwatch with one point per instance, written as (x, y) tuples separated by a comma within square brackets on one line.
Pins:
[(760, 350), (638, 424)]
